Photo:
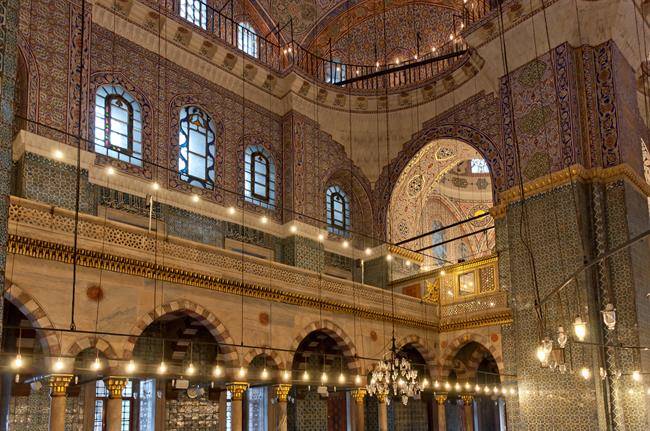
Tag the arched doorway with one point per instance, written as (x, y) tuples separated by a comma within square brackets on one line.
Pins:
[(317, 363), (474, 365), (446, 182)]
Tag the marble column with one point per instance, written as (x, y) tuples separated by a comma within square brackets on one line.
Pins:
[(58, 386), (442, 420), (281, 392), (115, 386), (359, 396), (237, 390), (468, 401), (383, 412)]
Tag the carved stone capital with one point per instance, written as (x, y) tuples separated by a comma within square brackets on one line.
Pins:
[(440, 399), (58, 384), (282, 392), (467, 399), (359, 395), (115, 386), (382, 398), (237, 390)]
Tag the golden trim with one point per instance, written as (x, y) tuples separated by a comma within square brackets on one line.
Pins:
[(40, 249), (58, 384), (406, 253), (237, 390), (565, 176), (115, 386), (359, 394), (282, 392), (501, 318), (440, 399)]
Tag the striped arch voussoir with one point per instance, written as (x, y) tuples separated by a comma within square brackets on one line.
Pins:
[(472, 364), (420, 345), (334, 331), (36, 316), (277, 360), (228, 354), (95, 343)]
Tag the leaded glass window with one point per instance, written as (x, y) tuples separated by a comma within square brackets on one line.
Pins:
[(479, 166), (118, 124), (196, 137), (338, 211), (194, 11), (247, 39), (259, 182)]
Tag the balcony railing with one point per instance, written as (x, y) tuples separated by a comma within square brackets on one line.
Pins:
[(274, 52)]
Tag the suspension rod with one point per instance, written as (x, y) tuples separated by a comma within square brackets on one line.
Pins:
[(476, 217)]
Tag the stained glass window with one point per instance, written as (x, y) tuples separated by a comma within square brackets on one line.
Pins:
[(479, 166), (195, 11), (118, 125), (247, 39), (196, 139), (259, 183), (338, 211)]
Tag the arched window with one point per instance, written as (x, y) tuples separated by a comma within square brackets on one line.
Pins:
[(259, 182), (479, 166), (439, 251), (334, 71), (118, 124), (195, 11), (247, 39), (338, 211), (196, 138)]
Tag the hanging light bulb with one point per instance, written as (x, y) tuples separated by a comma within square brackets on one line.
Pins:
[(265, 374), (477, 388), (495, 390), (457, 387), (609, 316), (217, 372), (323, 378), (436, 385), (162, 368), (286, 375), (96, 365), (58, 365), (190, 370), (17, 362), (341, 379), (357, 380), (562, 337), (636, 376), (130, 367), (512, 391), (447, 386), (486, 389), (242, 372), (580, 328), (585, 373), (305, 376), (467, 386), (425, 383)]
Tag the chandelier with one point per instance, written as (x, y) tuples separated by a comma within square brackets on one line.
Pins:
[(394, 377)]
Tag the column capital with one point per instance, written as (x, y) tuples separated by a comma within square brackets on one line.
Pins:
[(440, 399), (282, 392), (382, 398), (58, 384), (115, 385), (237, 390), (467, 399), (359, 394)]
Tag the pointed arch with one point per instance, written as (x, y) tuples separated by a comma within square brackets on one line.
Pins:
[(273, 355), (209, 320), (342, 340), (99, 343), (420, 345), (461, 341), (36, 315)]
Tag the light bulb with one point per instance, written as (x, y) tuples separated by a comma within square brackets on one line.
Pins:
[(305, 376), (495, 390), (345, 244), (155, 186), (407, 263), (130, 367), (585, 373), (512, 391), (195, 198), (58, 154), (97, 364), (443, 272), (486, 389), (425, 383), (321, 237), (477, 388), (218, 371), (264, 220), (580, 328), (190, 369), (467, 386), (110, 171), (286, 375), (58, 365), (447, 386), (389, 257), (242, 372), (436, 384), (341, 378), (265, 374), (636, 376), (231, 210), (293, 228), (357, 380), (162, 368), (323, 378), (368, 251), (17, 363), (457, 387)]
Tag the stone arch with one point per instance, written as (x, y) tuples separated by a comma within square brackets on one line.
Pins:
[(391, 173), (36, 315), (228, 353), (99, 343), (458, 343), (420, 346), (333, 330), (360, 195), (272, 354)]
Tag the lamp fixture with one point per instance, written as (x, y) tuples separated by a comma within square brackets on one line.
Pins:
[(162, 368), (190, 370), (58, 364), (579, 328), (609, 316), (130, 367), (585, 373), (394, 375), (17, 362), (218, 371)]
